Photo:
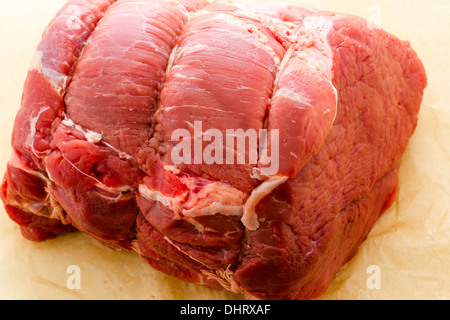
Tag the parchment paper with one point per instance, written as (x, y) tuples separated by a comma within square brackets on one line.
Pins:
[(406, 256)]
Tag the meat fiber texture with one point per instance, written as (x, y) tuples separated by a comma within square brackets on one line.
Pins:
[(112, 80)]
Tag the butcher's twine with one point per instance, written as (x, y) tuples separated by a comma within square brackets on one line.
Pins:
[(225, 277)]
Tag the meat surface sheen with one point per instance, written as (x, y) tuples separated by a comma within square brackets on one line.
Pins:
[(293, 123)]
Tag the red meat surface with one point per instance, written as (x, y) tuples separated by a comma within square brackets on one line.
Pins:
[(111, 81)]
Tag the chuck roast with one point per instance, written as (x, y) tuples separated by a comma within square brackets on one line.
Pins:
[(110, 83)]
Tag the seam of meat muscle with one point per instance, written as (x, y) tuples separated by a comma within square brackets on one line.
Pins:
[(78, 58), (280, 67), (52, 199), (296, 46), (36, 65), (182, 251), (56, 211), (225, 277), (249, 216), (161, 85), (249, 207), (96, 138), (123, 155), (80, 54)]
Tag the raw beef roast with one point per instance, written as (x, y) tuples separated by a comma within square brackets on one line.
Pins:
[(110, 83)]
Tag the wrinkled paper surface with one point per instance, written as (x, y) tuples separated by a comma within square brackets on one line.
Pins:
[(406, 256)]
